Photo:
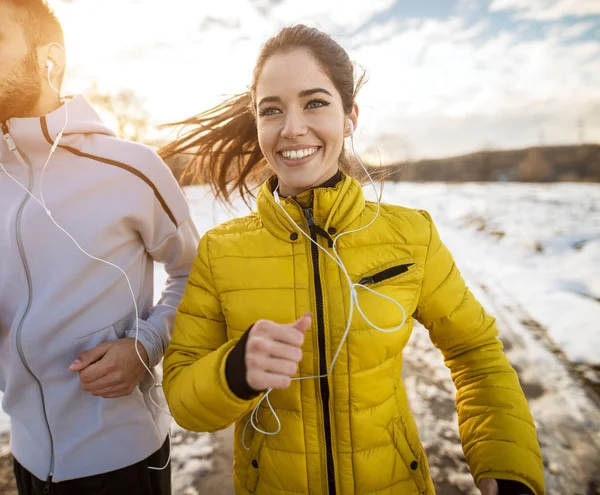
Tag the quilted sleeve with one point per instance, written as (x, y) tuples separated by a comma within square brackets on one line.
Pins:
[(496, 427), (194, 379)]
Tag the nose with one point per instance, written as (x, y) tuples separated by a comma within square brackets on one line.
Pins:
[(294, 125)]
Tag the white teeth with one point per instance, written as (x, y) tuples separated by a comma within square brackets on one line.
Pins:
[(298, 154)]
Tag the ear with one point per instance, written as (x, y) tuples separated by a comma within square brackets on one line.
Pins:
[(55, 54), (353, 117)]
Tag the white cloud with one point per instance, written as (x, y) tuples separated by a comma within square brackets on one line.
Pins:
[(571, 31), (330, 14), (544, 10), (438, 85), (445, 93)]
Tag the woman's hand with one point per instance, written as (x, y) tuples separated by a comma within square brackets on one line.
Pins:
[(273, 352), (488, 486)]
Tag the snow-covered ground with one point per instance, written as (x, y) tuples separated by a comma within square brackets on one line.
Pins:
[(540, 243), (531, 254)]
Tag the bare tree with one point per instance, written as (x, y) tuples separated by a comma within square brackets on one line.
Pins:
[(128, 110)]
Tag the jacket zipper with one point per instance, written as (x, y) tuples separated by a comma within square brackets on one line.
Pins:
[(385, 274), (11, 145), (324, 383)]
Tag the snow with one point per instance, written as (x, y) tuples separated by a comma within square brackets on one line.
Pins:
[(531, 254), (538, 243)]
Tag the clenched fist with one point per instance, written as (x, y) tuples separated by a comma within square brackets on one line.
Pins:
[(273, 352)]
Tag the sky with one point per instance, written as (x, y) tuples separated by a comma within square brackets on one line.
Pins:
[(446, 77)]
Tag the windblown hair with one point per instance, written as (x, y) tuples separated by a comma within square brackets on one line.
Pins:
[(222, 143)]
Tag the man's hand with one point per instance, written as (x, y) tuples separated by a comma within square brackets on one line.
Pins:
[(112, 369), (273, 352)]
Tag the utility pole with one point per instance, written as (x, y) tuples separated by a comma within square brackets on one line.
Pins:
[(581, 131)]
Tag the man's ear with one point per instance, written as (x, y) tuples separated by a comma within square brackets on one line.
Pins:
[(52, 61)]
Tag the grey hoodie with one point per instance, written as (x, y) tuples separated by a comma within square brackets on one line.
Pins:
[(121, 203)]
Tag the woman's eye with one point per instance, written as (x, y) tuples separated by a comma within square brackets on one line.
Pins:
[(265, 112), (317, 104)]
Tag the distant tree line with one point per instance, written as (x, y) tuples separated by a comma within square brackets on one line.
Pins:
[(579, 163)]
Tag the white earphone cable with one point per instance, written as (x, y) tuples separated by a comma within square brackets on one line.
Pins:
[(13, 148), (253, 420)]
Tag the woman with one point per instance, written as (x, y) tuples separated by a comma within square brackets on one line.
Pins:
[(295, 317)]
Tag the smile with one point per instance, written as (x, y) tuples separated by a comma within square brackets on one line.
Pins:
[(298, 154)]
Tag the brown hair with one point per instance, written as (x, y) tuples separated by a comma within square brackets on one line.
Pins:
[(222, 142)]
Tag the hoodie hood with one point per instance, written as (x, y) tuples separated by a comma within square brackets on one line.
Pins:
[(37, 134)]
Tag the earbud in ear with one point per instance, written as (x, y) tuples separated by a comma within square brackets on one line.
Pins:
[(49, 65), (351, 126)]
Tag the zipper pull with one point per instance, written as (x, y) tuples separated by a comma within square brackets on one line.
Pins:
[(8, 138), (48, 484), (314, 228), (10, 143), (310, 218)]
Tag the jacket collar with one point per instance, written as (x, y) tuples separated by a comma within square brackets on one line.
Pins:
[(35, 135), (333, 207)]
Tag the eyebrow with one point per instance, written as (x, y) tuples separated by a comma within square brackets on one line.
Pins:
[(302, 94)]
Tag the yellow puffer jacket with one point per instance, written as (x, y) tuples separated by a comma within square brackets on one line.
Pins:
[(352, 433)]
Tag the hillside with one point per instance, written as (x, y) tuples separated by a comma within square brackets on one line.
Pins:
[(539, 164)]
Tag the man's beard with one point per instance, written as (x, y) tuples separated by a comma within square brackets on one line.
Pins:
[(20, 92)]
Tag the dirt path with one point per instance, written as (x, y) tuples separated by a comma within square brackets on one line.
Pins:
[(564, 404), (568, 424)]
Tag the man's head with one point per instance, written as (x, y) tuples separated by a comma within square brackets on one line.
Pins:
[(30, 37)]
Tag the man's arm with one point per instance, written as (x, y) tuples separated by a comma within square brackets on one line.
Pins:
[(169, 236), (177, 254)]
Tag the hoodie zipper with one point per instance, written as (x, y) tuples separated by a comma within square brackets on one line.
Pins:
[(324, 383), (11, 145)]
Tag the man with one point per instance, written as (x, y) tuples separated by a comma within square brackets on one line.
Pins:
[(83, 420)]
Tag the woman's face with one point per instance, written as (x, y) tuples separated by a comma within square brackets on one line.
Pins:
[(301, 121)]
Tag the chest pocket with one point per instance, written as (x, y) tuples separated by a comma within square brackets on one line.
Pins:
[(398, 282), (386, 274)]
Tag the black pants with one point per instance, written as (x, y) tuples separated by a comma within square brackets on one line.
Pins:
[(131, 480)]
